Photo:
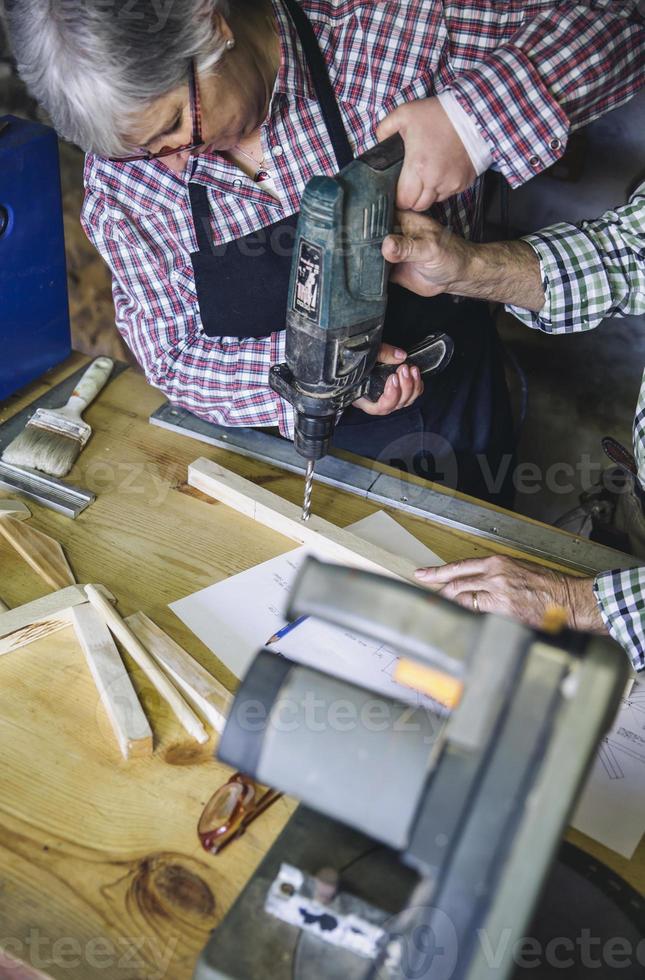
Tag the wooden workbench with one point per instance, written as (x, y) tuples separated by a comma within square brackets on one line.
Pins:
[(102, 874)]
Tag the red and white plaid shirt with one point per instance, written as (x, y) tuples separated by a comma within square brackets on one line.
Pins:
[(527, 71)]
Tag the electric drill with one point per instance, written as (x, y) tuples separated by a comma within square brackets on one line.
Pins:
[(337, 301)]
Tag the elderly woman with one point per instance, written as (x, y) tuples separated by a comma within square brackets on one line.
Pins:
[(204, 120)]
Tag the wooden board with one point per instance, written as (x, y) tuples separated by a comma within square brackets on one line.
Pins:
[(92, 846), (203, 691), (40, 551), (40, 617), (142, 658), (334, 543), (10, 507), (129, 723)]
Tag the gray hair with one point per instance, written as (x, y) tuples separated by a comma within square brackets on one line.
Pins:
[(94, 64)]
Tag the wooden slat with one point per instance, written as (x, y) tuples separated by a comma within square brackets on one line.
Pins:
[(129, 723), (142, 658), (9, 507), (205, 693), (51, 612), (40, 551), (329, 541)]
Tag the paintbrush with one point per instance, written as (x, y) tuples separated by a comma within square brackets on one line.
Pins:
[(53, 437)]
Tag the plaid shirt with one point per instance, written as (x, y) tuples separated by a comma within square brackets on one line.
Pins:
[(525, 70), (588, 273)]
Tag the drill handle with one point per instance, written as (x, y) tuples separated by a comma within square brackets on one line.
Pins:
[(431, 356)]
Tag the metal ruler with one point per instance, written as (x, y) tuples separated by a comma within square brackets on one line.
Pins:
[(401, 494), (44, 489)]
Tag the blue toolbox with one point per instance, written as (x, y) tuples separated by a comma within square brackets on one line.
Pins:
[(34, 313)]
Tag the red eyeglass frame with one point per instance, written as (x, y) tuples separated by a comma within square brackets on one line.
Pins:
[(196, 119), (231, 810)]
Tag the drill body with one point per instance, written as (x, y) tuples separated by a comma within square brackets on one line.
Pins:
[(337, 293)]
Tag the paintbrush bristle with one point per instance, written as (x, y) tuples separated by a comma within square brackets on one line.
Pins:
[(40, 449)]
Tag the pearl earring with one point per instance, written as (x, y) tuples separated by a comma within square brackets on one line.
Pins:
[(230, 44)]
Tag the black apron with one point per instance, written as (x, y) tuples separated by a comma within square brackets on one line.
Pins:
[(459, 432)]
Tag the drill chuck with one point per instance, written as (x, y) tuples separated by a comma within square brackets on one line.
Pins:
[(313, 434)]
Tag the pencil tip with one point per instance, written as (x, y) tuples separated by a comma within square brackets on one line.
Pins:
[(271, 640)]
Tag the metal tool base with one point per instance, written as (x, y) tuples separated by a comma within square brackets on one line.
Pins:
[(584, 908), (249, 940), (399, 493)]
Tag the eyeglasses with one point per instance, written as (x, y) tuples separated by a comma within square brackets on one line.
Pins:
[(196, 118), (230, 810)]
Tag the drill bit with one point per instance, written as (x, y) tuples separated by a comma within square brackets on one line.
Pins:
[(309, 483)]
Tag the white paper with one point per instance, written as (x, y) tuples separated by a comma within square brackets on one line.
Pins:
[(612, 806), (235, 618)]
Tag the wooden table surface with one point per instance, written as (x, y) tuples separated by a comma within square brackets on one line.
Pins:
[(102, 874)]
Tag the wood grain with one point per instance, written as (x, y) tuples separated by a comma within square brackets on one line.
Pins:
[(40, 551), (334, 543), (129, 723), (92, 846), (201, 689)]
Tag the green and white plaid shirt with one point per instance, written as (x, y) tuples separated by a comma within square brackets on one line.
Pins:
[(590, 272)]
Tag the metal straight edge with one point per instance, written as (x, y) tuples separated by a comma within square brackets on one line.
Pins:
[(40, 487), (51, 493), (397, 492)]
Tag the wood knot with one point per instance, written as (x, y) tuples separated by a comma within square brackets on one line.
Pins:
[(188, 754), (161, 886)]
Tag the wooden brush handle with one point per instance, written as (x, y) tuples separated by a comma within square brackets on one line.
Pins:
[(89, 386)]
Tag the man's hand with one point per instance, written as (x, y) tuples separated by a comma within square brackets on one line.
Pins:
[(436, 163), (517, 589), (428, 258), (401, 389)]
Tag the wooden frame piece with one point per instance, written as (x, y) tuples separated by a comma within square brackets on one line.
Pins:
[(34, 620), (42, 552), (129, 723), (327, 540), (14, 508), (205, 693), (183, 712)]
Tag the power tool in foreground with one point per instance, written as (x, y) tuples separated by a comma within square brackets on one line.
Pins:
[(337, 301)]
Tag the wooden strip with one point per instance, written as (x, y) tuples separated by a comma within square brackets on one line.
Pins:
[(329, 541), (142, 658), (36, 631), (14, 508), (129, 723), (205, 693), (52, 608), (41, 552)]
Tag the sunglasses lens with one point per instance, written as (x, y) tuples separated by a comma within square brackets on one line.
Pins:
[(224, 812)]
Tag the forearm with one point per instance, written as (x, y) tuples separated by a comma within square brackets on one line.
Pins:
[(503, 272), (582, 607)]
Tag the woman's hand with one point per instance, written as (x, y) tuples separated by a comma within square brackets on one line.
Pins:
[(518, 589), (427, 257), (436, 163), (401, 389)]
